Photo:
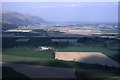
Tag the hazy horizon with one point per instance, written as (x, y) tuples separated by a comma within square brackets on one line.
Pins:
[(67, 11)]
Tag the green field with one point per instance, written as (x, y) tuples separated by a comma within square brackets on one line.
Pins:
[(28, 52), (46, 58)]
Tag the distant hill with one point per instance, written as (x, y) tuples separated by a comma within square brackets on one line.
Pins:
[(12, 19)]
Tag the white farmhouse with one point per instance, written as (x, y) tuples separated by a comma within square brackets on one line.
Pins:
[(44, 48)]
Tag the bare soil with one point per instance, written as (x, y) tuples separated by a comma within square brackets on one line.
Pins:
[(87, 57)]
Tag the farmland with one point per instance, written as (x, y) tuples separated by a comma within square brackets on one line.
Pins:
[(27, 53), (76, 40), (92, 71), (111, 52), (87, 57)]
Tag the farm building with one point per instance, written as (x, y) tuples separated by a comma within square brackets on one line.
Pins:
[(44, 48)]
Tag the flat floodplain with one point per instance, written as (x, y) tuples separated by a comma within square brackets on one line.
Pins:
[(87, 57)]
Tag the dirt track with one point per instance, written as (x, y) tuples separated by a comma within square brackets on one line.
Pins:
[(87, 57)]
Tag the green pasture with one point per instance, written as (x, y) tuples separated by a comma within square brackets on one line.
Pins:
[(28, 52)]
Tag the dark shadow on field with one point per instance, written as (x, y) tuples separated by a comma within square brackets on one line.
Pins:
[(40, 71), (91, 75), (80, 74), (9, 73), (117, 57), (51, 63), (85, 76), (107, 66), (102, 63)]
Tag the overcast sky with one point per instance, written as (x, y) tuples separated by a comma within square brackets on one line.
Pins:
[(67, 11)]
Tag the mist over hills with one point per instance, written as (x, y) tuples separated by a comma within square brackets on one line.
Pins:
[(11, 19)]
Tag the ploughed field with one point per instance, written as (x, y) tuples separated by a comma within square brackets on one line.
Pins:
[(87, 57)]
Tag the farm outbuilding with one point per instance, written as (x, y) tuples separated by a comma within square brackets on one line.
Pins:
[(44, 48)]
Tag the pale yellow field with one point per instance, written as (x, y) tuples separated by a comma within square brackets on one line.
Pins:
[(84, 30), (86, 57)]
